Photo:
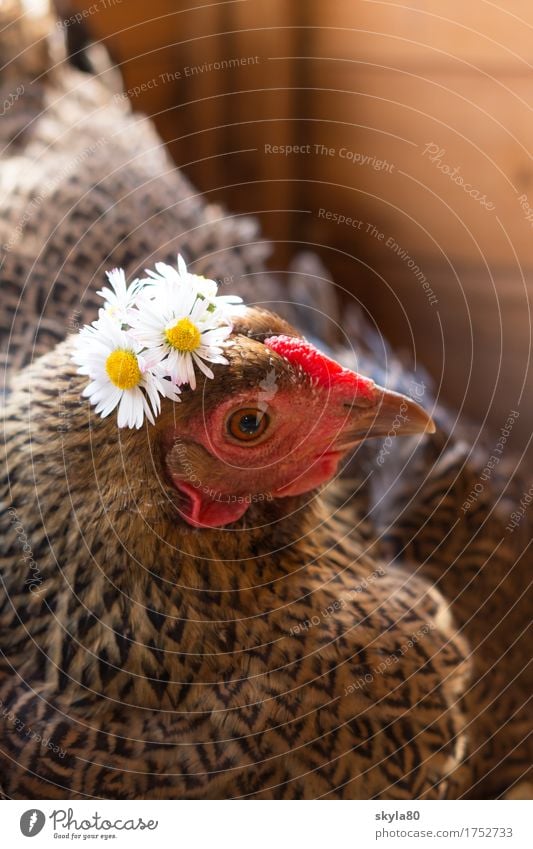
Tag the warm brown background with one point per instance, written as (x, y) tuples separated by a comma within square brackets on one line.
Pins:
[(382, 79)]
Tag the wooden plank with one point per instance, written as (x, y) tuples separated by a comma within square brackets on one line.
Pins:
[(481, 134), (475, 340), (428, 33), (258, 107), (215, 79)]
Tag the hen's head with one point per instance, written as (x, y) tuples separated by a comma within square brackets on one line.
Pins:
[(275, 422), (272, 426)]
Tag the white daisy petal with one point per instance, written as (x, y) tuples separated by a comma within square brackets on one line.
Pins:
[(166, 271), (182, 323), (151, 389), (229, 299), (180, 373), (139, 407), (169, 389), (214, 358), (182, 267), (112, 401), (124, 380), (122, 419), (191, 376), (147, 412), (89, 389), (118, 296), (202, 366), (150, 337), (214, 337)]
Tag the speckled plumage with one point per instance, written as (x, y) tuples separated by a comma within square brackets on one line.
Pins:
[(170, 662)]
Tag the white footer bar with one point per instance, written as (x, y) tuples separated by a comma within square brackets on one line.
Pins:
[(268, 824)]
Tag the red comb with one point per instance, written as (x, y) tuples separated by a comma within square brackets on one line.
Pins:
[(325, 371)]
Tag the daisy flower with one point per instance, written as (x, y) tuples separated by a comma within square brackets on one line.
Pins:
[(180, 331), (204, 287), (150, 338), (121, 376), (120, 297)]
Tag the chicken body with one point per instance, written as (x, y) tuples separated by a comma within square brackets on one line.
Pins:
[(277, 658)]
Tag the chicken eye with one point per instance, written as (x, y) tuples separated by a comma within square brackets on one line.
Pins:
[(248, 424)]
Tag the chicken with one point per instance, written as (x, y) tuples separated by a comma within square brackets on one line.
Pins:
[(460, 514), (181, 622), (192, 619)]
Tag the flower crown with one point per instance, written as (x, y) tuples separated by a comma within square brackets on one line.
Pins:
[(149, 339)]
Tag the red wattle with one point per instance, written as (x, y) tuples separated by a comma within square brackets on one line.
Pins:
[(201, 511), (325, 371)]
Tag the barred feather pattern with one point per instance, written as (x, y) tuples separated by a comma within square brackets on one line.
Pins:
[(323, 671)]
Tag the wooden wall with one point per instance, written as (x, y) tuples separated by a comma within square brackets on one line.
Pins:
[(390, 79), (413, 120)]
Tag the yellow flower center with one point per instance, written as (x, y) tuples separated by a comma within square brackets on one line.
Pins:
[(123, 369), (184, 335)]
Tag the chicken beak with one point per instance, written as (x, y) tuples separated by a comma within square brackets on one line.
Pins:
[(385, 413)]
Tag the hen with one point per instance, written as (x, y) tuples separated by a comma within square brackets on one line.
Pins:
[(191, 619), (166, 657)]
